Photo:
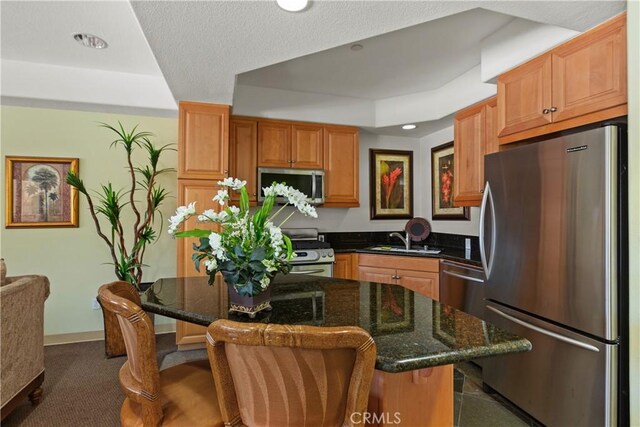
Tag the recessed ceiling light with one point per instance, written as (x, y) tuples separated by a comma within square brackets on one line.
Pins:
[(89, 40), (409, 127), (292, 5), (356, 47)]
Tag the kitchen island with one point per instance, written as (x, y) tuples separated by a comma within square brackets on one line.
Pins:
[(417, 339)]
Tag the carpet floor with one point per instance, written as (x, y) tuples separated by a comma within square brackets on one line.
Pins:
[(81, 387)]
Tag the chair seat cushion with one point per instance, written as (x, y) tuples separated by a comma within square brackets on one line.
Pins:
[(188, 397)]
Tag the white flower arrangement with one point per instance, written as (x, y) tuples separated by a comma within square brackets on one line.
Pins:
[(250, 249)]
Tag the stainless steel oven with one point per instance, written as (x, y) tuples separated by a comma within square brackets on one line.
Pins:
[(313, 257)]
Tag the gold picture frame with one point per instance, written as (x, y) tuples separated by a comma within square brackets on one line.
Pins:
[(443, 185), (391, 184), (37, 194)]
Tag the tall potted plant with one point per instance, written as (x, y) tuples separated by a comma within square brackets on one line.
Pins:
[(126, 219)]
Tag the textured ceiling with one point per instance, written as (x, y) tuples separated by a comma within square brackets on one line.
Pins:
[(42, 32), (415, 59), (202, 46)]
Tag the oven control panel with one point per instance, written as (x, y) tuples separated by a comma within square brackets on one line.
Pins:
[(313, 256)]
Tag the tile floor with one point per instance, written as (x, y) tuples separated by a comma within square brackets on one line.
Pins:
[(475, 408)]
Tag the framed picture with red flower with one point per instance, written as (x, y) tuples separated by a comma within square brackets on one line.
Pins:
[(443, 184), (391, 174)]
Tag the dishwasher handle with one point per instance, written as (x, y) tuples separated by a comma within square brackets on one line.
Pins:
[(462, 276)]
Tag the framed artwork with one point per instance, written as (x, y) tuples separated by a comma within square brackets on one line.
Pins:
[(391, 176), (443, 184), (37, 194), (391, 309)]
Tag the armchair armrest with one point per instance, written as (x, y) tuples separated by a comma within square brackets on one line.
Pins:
[(22, 332)]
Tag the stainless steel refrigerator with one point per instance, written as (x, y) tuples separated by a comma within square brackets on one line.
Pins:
[(553, 241)]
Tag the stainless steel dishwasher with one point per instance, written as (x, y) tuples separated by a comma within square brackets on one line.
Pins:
[(462, 287)]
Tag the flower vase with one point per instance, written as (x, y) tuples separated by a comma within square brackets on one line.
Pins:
[(250, 305)]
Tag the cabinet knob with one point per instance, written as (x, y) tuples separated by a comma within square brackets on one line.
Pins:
[(546, 111), (553, 109), (482, 190), (290, 161), (293, 161)]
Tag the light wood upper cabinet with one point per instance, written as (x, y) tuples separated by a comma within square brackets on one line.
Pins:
[(590, 72), (341, 165), (582, 81), (203, 141), (306, 146), (290, 145), (243, 156), (474, 137), (274, 144), (524, 96)]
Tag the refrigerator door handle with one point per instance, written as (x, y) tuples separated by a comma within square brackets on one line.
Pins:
[(487, 197), (544, 331), (462, 276)]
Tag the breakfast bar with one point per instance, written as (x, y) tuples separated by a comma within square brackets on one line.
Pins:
[(417, 339)]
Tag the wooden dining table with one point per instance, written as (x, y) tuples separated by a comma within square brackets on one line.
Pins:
[(418, 339)]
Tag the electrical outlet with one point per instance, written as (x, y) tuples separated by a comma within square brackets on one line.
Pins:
[(95, 305)]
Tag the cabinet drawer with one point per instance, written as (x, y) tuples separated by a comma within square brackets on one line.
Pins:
[(400, 262)]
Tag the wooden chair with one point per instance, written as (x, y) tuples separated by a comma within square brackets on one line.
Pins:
[(282, 375), (183, 395)]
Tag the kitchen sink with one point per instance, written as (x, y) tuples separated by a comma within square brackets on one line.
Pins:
[(403, 250)]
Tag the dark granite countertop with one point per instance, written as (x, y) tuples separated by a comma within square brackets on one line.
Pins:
[(411, 331), (472, 258), (452, 245)]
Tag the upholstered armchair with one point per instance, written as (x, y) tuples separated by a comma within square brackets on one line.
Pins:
[(22, 339)]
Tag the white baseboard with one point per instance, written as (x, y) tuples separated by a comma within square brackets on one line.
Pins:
[(75, 337)]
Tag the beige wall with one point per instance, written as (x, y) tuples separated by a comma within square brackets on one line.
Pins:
[(633, 24), (73, 258)]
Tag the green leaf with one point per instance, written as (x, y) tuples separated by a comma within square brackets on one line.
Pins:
[(239, 252), (287, 242), (196, 232), (258, 254), (244, 200)]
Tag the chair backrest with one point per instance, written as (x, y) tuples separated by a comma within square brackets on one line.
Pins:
[(139, 376), (284, 375)]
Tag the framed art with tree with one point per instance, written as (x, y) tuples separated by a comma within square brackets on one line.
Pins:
[(37, 194)]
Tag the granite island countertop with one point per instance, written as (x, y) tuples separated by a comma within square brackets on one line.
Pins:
[(411, 331)]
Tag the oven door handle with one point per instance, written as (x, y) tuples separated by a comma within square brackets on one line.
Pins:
[(462, 276), (319, 270)]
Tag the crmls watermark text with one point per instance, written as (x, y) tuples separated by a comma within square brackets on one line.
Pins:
[(373, 418)]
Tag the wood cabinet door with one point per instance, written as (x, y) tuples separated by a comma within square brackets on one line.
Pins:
[(306, 146), (201, 192), (377, 275), (468, 143), (524, 96), (341, 165), (422, 282), (491, 144), (274, 144), (203, 141), (243, 156), (590, 71), (343, 266)]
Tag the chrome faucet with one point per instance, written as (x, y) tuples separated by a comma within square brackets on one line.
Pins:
[(406, 240)]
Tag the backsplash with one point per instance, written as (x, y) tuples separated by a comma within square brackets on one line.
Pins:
[(363, 239)]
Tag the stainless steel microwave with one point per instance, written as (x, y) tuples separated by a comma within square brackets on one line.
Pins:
[(308, 181)]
